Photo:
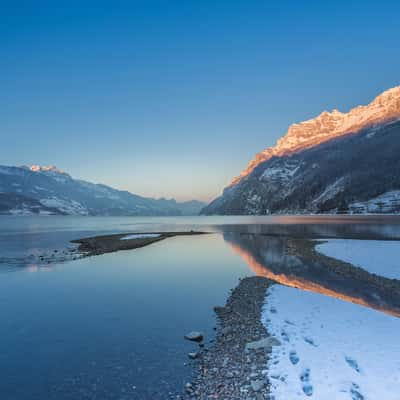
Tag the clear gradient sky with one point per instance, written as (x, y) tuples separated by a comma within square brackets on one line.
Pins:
[(173, 98)]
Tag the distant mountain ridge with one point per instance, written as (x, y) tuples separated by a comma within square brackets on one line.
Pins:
[(316, 166), (47, 190)]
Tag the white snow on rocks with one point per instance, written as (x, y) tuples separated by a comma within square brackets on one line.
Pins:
[(331, 191), (282, 172), (140, 236), (330, 349), (67, 206), (376, 256), (388, 202)]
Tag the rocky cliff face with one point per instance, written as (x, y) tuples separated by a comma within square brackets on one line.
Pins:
[(321, 164)]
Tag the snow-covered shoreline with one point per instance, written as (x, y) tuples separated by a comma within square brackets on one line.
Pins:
[(376, 256), (330, 349)]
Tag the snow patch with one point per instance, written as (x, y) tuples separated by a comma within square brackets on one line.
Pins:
[(52, 172), (283, 173), (384, 203), (140, 236), (330, 191), (71, 207), (21, 211), (376, 256), (330, 349)]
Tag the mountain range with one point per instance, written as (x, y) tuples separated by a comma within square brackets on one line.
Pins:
[(334, 163), (48, 190)]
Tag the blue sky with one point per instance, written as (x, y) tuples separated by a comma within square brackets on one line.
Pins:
[(173, 98)]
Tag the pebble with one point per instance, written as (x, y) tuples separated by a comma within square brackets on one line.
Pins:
[(194, 336), (257, 385), (189, 387), (226, 330), (265, 343)]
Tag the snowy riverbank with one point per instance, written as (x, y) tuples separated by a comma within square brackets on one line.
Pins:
[(330, 349), (376, 256)]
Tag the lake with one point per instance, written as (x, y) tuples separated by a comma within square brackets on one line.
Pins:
[(112, 326)]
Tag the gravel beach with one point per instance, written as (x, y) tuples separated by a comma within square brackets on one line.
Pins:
[(234, 367)]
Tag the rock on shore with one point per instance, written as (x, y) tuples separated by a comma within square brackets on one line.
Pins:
[(194, 336)]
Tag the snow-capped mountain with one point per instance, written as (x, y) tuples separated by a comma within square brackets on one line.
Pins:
[(48, 190), (336, 162)]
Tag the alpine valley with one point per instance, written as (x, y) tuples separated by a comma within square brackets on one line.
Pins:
[(335, 163), (47, 190)]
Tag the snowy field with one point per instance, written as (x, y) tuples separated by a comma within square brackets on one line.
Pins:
[(330, 349), (376, 256)]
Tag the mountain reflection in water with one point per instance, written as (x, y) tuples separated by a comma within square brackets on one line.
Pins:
[(267, 256), (317, 227)]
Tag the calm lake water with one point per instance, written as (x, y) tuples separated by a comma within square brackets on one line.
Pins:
[(112, 326)]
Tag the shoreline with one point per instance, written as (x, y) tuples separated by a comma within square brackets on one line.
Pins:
[(386, 290), (102, 244), (97, 245), (235, 365)]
